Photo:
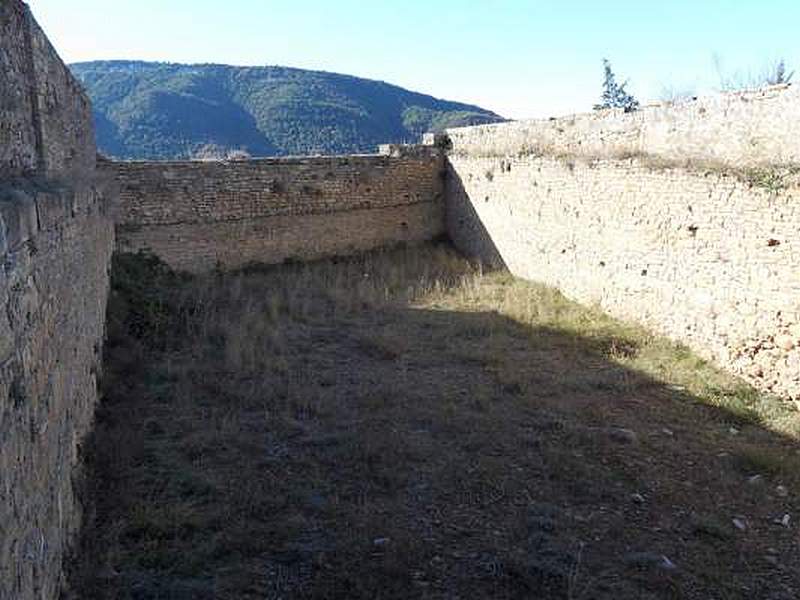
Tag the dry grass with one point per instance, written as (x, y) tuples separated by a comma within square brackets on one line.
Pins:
[(403, 425), (774, 178)]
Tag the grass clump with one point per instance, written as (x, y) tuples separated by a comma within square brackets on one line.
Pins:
[(771, 180), (761, 460), (711, 527)]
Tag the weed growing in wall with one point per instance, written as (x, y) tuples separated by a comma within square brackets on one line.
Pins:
[(773, 179)]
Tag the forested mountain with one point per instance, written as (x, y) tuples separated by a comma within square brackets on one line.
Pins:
[(162, 110)]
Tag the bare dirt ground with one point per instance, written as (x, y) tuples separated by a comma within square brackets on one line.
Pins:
[(401, 425)]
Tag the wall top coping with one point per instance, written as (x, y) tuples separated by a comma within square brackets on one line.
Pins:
[(388, 151), (742, 128), (720, 100)]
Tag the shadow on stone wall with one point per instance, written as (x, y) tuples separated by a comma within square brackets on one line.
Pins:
[(464, 225)]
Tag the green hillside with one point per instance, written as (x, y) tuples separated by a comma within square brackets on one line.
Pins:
[(162, 110)]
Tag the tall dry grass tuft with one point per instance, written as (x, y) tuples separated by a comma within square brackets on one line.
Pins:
[(242, 315)]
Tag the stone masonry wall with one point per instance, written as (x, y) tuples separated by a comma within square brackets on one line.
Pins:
[(18, 147), (679, 236), (63, 113), (45, 118), (746, 128), (53, 287), (55, 246), (197, 215), (707, 256)]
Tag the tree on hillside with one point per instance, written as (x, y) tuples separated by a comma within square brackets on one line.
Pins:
[(614, 94)]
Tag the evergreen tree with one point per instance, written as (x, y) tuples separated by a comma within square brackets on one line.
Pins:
[(778, 74), (614, 94)]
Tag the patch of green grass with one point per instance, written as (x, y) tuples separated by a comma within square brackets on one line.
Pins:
[(774, 179)]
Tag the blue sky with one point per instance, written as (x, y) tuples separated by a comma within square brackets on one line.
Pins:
[(520, 58)]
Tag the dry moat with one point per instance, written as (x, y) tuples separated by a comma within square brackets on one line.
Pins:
[(401, 422), (403, 425)]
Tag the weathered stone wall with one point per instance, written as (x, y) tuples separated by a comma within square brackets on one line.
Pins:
[(197, 215), (705, 252), (53, 287), (63, 113), (45, 118), (55, 246), (740, 128), (18, 147), (706, 256)]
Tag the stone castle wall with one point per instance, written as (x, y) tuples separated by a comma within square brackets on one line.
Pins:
[(706, 254), (55, 246), (199, 215), (18, 147), (748, 128), (673, 216), (45, 118)]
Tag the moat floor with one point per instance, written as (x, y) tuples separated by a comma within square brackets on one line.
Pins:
[(401, 425)]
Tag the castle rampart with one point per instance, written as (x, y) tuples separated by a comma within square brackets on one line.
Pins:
[(684, 217), (677, 226), (199, 215), (45, 117), (741, 129), (55, 247)]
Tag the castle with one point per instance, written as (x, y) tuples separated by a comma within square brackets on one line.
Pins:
[(682, 217)]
